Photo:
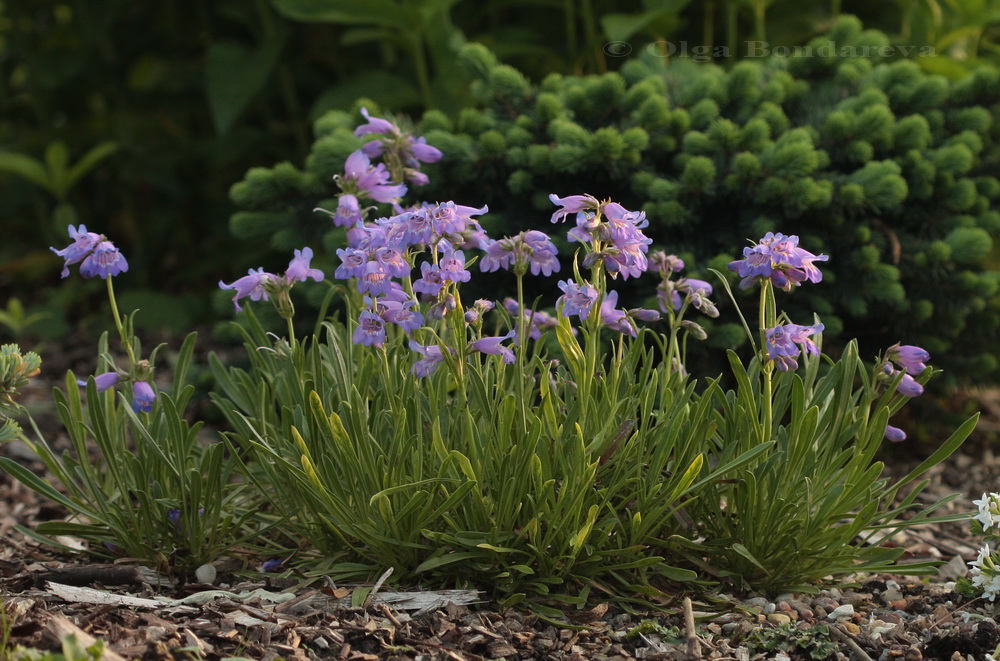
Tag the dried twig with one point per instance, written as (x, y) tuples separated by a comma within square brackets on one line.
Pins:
[(691, 636), (842, 637)]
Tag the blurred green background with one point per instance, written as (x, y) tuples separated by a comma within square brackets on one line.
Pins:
[(136, 118)]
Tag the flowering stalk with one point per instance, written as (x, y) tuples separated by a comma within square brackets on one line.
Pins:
[(768, 319), (122, 334)]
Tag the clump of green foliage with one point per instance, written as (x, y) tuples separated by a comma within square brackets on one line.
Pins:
[(814, 641), (875, 161)]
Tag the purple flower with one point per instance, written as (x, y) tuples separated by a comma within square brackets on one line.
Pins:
[(576, 299), (894, 434), (784, 342), (909, 357), (370, 330), (352, 264), (532, 247), (571, 204), (394, 261), (348, 211), (104, 261), (430, 281), (644, 314), (909, 387), (143, 397), (432, 355), (491, 345), (274, 564), (298, 269), (424, 152), (360, 176), (174, 517), (452, 264), (614, 318), (666, 264), (778, 258), (402, 314), (375, 280), (375, 125), (250, 285), (83, 243), (102, 381)]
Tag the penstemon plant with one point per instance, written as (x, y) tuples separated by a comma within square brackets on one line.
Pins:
[(152, 491), (814, 505), (540, 454)]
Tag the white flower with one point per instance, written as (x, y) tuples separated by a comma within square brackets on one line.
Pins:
[(985, 574), (989, 511)]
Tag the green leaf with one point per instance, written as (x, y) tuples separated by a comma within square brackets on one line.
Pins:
[(89, 162), (234, 74), (26, 167), (378, 12)]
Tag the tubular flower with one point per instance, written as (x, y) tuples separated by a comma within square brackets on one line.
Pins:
[(894, 434), (104, 262), (250, 285), (571, 204), (370, 331), (491, 345), (533, 249), (907, 386), (143, 397), (103, 381), (298, 269), (452, 264), (432, 355), (909, 357), (576, 299), (83, 243), (784, 342), (777, 258), (361, 177)]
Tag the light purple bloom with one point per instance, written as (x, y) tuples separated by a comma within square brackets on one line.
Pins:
[(666, 264), (532, 247), (402, 314), (250, 285), (394, 261), (360, 174), (83, 243), (911, 358), (432, 355), (143, 396), (103, 262), (370, 330), (499, 255), (299, 270), (571, 204), (103, 381), (424, 152), (353, 263), (909, 387), (777, 257), (452, 265), (614, 318), (784, 342), (430, 281), (491, 345), (894, 434), (375, 125), (375, 280), (644, 314), (348, 211), (576, 299)]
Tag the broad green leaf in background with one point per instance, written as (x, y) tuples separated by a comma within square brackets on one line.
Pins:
[(234, 74)]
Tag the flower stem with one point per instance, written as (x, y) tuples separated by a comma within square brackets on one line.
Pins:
[(119, 324), (522, 341), (767, 320)]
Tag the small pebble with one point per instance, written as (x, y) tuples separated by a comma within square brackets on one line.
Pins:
[(852, 628), (899, 604), (756, 602), (205, 574), (769, 608), (841, 611), (892, 595), (778, 618)]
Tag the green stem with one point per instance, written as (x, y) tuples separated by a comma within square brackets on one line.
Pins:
[(119, 324), (522, 342), (767, 320)]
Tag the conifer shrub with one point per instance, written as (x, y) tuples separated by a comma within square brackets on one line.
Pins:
[(889, 168)]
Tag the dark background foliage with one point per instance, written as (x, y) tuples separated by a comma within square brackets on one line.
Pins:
[(137, 118)]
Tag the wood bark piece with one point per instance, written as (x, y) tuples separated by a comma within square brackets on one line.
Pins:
[(105, 574), (60, 627), (82, 595)]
